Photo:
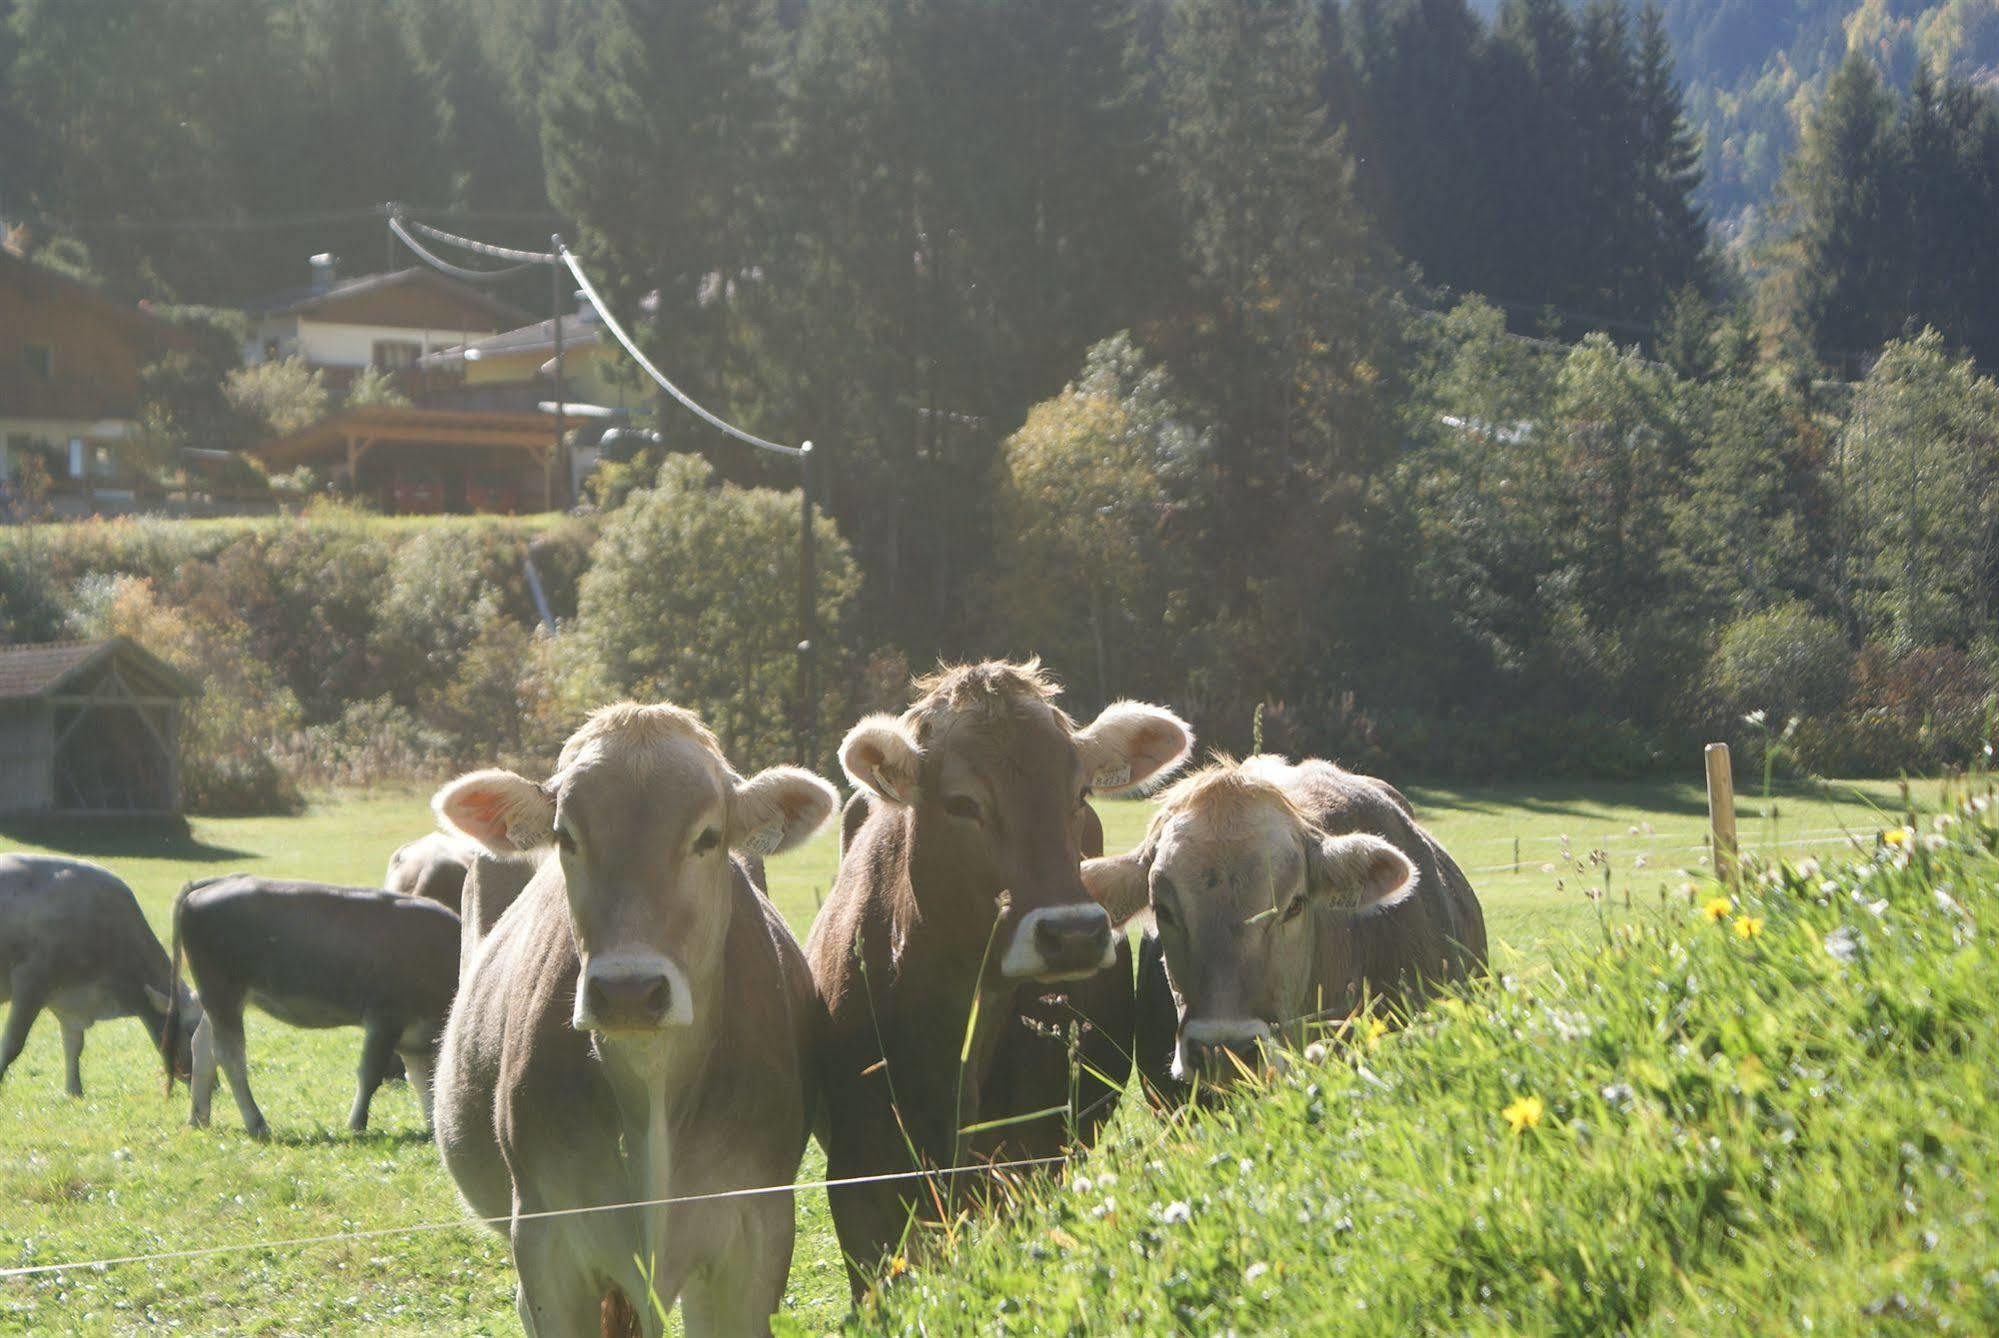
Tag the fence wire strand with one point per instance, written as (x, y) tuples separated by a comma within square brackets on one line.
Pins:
[(419, 1228)]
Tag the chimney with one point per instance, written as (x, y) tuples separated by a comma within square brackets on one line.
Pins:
[(323, 270)]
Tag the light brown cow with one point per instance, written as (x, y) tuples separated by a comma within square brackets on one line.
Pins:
[(1281, 893), (433, 866), (635, 1027), (962, 883)]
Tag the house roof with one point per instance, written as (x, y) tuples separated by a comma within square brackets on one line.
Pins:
[(404, 426), (14, 270), (578, 332), (38, 670), (302, 301)]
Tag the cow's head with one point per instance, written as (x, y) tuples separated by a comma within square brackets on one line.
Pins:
[(1239, 884), (179, 1016), (997, 781), (643, 811)]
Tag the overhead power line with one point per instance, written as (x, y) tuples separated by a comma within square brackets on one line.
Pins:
[(686, 401), (478, 247), (457, 271), (278, 222)]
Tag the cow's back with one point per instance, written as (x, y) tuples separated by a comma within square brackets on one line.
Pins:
[(1437, 934), (353, 949), (74, 921)]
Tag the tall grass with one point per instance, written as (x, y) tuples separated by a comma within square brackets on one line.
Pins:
[(1774, 1112)]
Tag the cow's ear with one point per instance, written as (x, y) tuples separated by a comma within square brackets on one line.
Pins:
[(1131, 744), (774, 810), (1358, 872), (881, 756), (1121, 884), (503, 812)]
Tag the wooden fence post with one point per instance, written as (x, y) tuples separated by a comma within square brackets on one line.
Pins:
[(1721, 811)]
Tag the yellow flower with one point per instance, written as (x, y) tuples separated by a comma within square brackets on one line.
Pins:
[(1717, 908), (1523, 1114), (1376, 1029), (1748, 927), (898, 1266), (1895, 836)]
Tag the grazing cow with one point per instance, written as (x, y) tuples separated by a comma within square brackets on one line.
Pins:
[(73, 940), (433, 866), (1282, 894), (312, 955), (962, 883), (638, 1026)]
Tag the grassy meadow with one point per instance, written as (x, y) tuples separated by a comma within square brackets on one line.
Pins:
[(119, 1173)]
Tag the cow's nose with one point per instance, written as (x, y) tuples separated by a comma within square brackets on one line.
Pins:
[(1220, 1052), (1061, 943), (626, 1000)]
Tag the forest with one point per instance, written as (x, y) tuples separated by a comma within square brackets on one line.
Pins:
[(1389, 372)]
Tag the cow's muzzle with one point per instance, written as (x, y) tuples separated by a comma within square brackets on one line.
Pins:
[(1060, 943), (631, 993), (1221, 1050)]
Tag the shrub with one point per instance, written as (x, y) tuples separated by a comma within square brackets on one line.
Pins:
[(282, 397), (229, 732), (1786, 661), (693, 598), (371, 739)]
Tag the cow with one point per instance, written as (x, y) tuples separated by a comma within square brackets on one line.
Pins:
[(314, 955), (433, 866), (492, 884), (73, 940), (1281, 895), (637, 1027), (958, 904)]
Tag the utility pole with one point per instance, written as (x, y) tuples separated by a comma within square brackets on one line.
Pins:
[(808, 618), (558, 457)]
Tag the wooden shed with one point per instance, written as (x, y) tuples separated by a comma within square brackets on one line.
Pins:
[(89, 728)]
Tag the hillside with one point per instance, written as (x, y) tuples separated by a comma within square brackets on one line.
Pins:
[(1750, 69)]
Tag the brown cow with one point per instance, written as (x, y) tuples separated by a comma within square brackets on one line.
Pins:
[(433, 866), (1282, 893), (636, 1027), (962, 883)]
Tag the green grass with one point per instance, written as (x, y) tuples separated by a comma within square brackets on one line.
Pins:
[(119, 1173)]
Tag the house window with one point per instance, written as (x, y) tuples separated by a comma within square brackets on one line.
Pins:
[(395, 355), (272, 350), (41, 361), (76, 457)]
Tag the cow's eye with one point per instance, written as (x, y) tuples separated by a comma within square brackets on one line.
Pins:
[(962, 806), (707, 841), (1164, 915), (1295, 909), (564, 841)]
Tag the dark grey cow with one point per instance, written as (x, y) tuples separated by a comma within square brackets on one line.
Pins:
[(433, 866), (311, 955), (74, 941), (492, 884)]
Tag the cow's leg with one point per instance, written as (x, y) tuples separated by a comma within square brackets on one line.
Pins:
[(739, 1292), (201, 1082), (556, 1298), (72, 1054), (29, 993), (229, 1053), (420, 1064), (378, 1045)]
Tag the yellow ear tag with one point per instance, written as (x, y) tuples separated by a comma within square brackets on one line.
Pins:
[(763, 841), (1112, 778)]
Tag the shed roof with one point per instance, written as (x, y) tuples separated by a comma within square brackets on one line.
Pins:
[(38, 670)]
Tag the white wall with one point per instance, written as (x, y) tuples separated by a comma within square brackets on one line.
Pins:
[(327, 344)]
